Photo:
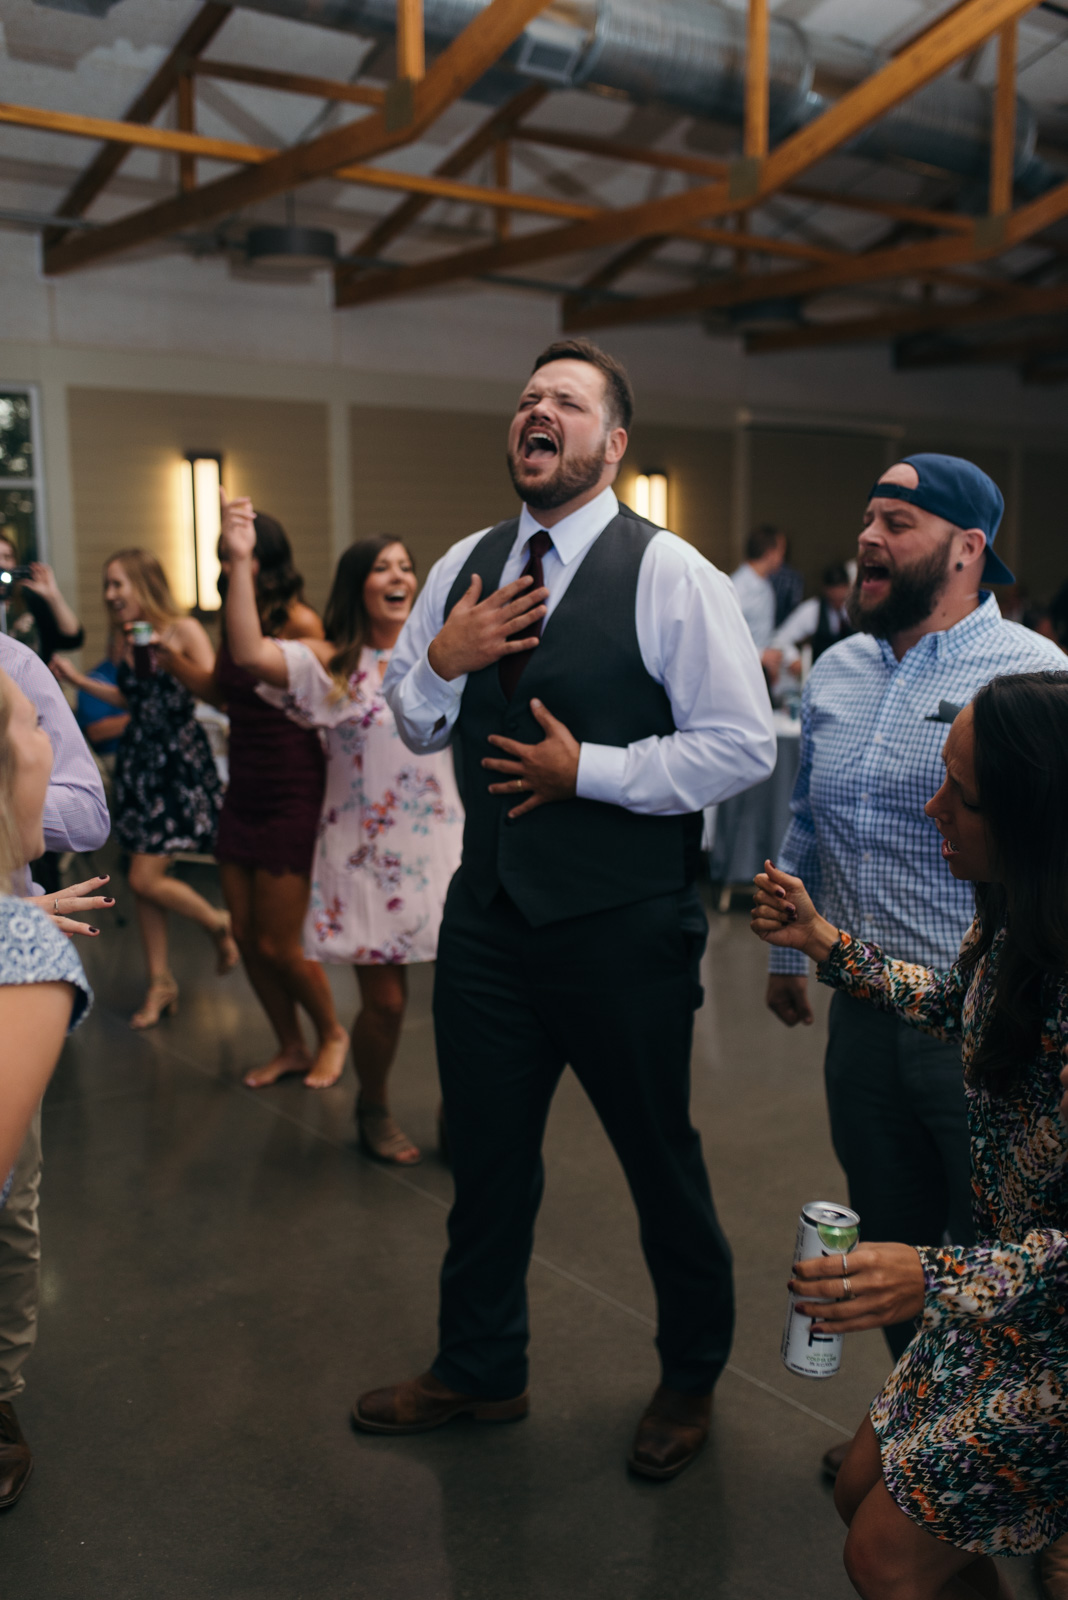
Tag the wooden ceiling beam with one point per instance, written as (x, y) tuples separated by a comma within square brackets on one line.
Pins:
[(987, 308), (997, 352), (462, 63), (133, 134), (476, 145), (875, 266), (197, 36), (971, 22), (359, 94)]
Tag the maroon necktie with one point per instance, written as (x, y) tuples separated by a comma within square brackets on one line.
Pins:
[(510, 667)]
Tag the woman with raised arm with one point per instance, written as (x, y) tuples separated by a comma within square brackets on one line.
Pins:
[(389, 836), (167, 790), (269, 820), (965, 1452)]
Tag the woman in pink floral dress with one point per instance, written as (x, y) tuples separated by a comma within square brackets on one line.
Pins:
[(392, 823)]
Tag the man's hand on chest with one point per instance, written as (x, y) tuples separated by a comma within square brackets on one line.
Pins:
[(477, 632), (543, 772)]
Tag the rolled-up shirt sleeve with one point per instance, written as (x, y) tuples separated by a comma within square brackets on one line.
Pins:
[(694, 641), (75, 811), (424, 705)]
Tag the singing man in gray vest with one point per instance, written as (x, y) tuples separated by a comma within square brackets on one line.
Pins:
[(600, 687)]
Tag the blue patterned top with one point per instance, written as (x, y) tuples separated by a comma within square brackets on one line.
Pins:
[(32, 950), (870, 759)]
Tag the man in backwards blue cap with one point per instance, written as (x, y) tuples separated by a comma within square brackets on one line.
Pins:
[(873, 723)]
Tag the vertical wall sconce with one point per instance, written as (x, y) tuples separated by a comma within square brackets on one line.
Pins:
[(201, 478), (650, 497)]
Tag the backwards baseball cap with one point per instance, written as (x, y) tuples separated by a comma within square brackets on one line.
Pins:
[(957, 490)]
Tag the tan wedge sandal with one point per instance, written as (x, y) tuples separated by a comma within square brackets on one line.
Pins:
[(161, 999), (381, 1138)]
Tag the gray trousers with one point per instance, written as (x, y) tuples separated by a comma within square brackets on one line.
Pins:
[(20, 1264), (899, 1124)]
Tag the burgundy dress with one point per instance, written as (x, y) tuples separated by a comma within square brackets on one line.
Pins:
[(270, 815)]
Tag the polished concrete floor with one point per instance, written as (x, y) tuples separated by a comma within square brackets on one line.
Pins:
[(224, 1271)]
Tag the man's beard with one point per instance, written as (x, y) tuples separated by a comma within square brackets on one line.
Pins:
[(914, 592), (571, 478)]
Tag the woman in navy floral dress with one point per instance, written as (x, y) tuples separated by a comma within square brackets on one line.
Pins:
[(965, 1451)]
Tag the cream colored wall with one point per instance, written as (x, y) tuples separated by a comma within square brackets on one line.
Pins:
[(127, 450), (432, 476)]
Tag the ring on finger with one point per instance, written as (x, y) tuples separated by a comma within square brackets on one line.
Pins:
[(848, 1287), (518, 784)]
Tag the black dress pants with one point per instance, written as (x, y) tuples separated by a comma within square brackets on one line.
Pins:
[(613, 995), (899, 1122)]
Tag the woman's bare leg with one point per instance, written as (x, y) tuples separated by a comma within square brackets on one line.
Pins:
[(890, 1557), (384, 995), (292, 1054), (152, 923), (376, 1031), (149, 881), (279, 902)]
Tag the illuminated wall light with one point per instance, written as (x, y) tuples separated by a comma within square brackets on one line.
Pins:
[(201, 479), (651, 496)]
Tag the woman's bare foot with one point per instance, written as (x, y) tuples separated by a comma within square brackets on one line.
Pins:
[(380, 1136), (292, 1060), (329, 1062)]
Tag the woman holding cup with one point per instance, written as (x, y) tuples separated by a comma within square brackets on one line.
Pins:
[(167, 790), (964, 1454)]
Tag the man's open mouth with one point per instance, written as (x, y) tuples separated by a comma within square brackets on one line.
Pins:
[(539, 445), (874, 572)]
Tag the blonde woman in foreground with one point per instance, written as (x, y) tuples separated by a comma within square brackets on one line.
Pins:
[(167, 790)]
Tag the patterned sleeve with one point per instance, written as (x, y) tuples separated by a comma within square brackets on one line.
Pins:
[(1026, 1283), (311, 698), (931, 1001), (32, 950)]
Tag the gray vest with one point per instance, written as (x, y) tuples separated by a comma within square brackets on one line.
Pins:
[(576, 856)]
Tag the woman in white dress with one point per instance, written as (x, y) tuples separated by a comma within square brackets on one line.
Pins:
[(392, 823)]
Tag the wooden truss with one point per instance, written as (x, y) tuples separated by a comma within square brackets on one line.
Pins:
[(939, 248)]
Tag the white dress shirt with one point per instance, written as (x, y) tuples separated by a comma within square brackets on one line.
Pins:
[(756, 596), (75, 811), (693, 641), (802, 623)]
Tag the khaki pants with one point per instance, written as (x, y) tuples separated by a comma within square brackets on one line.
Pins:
[(20, 1264)]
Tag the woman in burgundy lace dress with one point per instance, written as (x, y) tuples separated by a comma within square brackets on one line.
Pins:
[(267, 830)]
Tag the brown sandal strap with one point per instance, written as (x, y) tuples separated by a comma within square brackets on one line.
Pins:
[(382, 1136)]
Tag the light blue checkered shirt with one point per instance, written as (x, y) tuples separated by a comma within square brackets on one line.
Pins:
[(869, 761)]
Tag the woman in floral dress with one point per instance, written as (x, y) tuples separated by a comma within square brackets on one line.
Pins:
[(964, 1454), (392, 823)]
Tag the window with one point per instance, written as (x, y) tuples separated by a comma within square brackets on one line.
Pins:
[(21, 488)]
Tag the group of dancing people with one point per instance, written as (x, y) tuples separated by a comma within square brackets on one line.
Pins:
[(587, 681), (334, 843)]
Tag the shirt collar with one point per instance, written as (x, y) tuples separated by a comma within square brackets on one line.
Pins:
[(949, 642), (573, 534)]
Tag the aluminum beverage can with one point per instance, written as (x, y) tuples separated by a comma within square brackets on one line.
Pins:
[(823, 1229), (140, 634)]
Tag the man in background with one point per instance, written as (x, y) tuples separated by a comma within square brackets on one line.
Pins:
[(75, 818), (765, 551), (819, 621), (874, 718)]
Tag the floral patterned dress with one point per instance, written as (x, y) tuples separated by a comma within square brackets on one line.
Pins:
[(391, 827), (973, 1421), (167, 790)]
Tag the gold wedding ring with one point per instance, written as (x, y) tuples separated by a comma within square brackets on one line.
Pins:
[(847, 1286)]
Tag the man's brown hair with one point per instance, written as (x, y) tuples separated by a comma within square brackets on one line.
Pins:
[(619, 396)]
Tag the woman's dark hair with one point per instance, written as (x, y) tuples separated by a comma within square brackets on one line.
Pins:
[(278, 583), (1021, 770), (345, 620)]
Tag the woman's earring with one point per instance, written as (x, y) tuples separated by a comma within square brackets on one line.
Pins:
[(960, 566)]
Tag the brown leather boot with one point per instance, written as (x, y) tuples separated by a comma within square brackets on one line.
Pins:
[(1053, 1569), (16, 1462), (672, 1431), (423, 1403)]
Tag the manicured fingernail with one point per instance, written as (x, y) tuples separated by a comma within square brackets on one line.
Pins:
[(108, 901), (92, 929)]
